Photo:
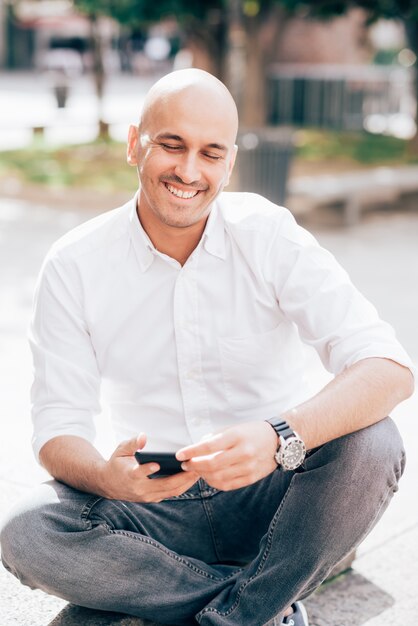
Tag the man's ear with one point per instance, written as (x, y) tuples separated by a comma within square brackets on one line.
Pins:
[(231, 164), (132, 148)]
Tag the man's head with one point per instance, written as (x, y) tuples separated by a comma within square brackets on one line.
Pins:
[(184, 147)]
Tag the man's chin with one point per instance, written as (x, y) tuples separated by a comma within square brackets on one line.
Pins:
[(179, 217), (183, 223)]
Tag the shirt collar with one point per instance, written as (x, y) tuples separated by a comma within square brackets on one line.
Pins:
[(142, 244), (213, 236)]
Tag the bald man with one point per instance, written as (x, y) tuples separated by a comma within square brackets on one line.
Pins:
[(187, 307)]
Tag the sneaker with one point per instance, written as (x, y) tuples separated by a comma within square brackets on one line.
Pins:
[(299, 617)]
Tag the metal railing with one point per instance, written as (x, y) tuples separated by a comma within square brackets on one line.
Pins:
[(338, 97)]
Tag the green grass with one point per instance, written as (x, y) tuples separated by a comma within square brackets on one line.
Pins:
[(102, 164), (361, 148)]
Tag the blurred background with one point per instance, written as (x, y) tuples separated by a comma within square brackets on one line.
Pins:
[(333, 81), (327, 95), (326, 91)]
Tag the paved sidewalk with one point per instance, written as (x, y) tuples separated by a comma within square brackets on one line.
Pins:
[(77, 122), (381, 255)]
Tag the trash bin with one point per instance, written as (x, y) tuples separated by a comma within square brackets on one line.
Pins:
[(263, 161)]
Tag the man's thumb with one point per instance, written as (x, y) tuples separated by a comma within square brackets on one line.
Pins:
[(129, 447)]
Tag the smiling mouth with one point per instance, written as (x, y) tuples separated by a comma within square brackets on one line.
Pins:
[(186, 195)]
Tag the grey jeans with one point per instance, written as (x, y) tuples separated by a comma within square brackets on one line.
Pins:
[(209, 557)]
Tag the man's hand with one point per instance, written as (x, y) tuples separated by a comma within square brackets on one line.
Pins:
[(123, 479), (233, 458)]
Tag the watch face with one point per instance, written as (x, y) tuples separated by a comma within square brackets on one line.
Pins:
[(292, 453)]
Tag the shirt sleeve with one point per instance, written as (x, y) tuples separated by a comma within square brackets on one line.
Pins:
[(331, 315), (66, 387)]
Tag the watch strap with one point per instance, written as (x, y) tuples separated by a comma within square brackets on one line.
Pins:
[(281, 427)]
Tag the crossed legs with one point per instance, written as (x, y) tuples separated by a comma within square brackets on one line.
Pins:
[(208, 557)]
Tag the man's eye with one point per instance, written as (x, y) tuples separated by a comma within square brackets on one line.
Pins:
[(214, 157), (168, 146)]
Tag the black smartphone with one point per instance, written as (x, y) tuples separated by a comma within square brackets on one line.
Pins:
[(166, 460)]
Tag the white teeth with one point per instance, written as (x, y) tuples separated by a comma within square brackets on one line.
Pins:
[(181, 194)]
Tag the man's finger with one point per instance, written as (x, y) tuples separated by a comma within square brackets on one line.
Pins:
[(213, 462), (178, 480), (161, 488), (129, 447), (216, 443), (148, 469)]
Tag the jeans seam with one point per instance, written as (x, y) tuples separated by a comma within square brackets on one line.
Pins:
[(207, 493), (259, 568), (208, 512), (184, 496), (167, 552), (85, 511)]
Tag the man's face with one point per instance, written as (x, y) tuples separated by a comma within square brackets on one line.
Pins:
[(184, 152)]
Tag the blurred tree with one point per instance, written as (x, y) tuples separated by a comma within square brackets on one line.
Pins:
[(202, 23), (239, 37), (231, 38)]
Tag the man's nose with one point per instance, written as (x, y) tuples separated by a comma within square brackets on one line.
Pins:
[(187, 169)]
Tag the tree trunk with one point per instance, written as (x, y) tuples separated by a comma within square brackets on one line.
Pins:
[(98, 73), (253, 112), (236, 53), (262, 33), (237, 48), (411, 27), (207, 44)]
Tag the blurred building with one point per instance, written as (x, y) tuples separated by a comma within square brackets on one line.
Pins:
[(17, 43), (47, 34), (344, 75), (340, 40)]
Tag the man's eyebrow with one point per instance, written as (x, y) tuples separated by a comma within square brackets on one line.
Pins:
[(173, 137), (217, 146), (168, 136)]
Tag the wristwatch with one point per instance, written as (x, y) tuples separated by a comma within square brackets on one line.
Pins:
[(291, 451)]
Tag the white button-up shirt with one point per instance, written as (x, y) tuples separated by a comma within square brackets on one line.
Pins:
[(180, 352)]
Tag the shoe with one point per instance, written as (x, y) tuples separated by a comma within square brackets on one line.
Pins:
[(299, 617)]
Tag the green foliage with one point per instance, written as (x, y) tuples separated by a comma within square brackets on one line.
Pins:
[(136, 12), (101, 165), (357, 148), (133, 12)]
